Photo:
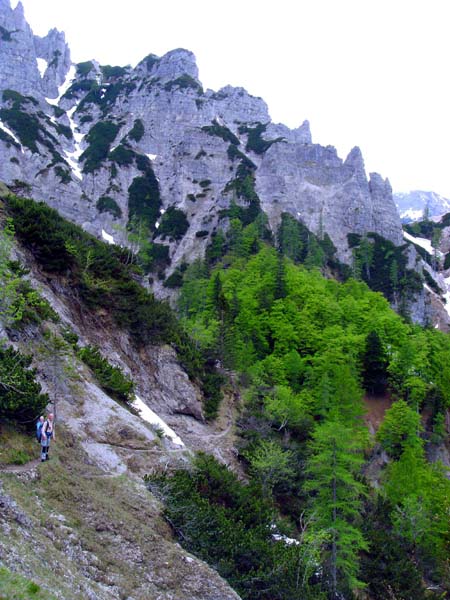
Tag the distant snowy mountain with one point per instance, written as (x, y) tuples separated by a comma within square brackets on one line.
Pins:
[(412, 205)]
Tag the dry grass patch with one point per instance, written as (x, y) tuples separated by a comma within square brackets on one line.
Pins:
[(16, 446)]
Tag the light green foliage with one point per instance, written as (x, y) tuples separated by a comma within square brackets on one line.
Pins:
[(332, 477), (315, 317), (420, 493), (301, 344), (286, 408), (270, 464), (399, 429)]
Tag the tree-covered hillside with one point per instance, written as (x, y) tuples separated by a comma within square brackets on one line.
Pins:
[(308, 349), (327, 508)]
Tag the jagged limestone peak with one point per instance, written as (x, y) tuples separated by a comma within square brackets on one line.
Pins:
[(176, 63), (199, 144), (355, 158), (355, 162), (20, 52)]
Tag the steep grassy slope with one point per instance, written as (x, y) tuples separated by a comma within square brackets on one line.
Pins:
[(82, 533)]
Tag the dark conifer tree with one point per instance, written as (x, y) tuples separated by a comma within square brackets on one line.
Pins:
[(375, 365)]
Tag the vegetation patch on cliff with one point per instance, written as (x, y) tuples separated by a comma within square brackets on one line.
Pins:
[(222, 132), (27, 125), (383, 266), (108, 204), (104, 277), (99, 138), (255, 142)]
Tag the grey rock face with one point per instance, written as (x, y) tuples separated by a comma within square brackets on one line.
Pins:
[(385, 216), (175, 64), (20, 51), (195, 140), (55, 52)]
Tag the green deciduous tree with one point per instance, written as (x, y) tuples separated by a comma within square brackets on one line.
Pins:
[(420, 493), (270, 464), (399, 429)]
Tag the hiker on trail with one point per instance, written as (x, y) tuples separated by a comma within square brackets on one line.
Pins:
[(47, 433), (39, 425)]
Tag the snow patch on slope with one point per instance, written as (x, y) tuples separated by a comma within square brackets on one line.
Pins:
[(11, 133), (107, 237), (64, 87), (447, 295), (148, 415), (42, 66), (422, 242), (74, 157)]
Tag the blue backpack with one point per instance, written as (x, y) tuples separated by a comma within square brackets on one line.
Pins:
[(39, 425)]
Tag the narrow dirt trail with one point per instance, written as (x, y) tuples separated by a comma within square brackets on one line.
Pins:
[(29, 466)]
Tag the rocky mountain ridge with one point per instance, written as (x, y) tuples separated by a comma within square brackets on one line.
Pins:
[(413, 205), (197, 143), (146, 157)]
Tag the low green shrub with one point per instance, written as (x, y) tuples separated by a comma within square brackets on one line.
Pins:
[(83, 68), (5, 35), (229, 525), (221, 131), (136, 133), (111, 379), (85, 85), (99, 138), (255, 141), (63, 174), (108, 204), (174, 281), (174, 224), (20, 394), (122, 155), (184, 82), (109, 72)]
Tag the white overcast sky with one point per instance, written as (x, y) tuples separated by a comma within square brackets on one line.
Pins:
[(367, 73)]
